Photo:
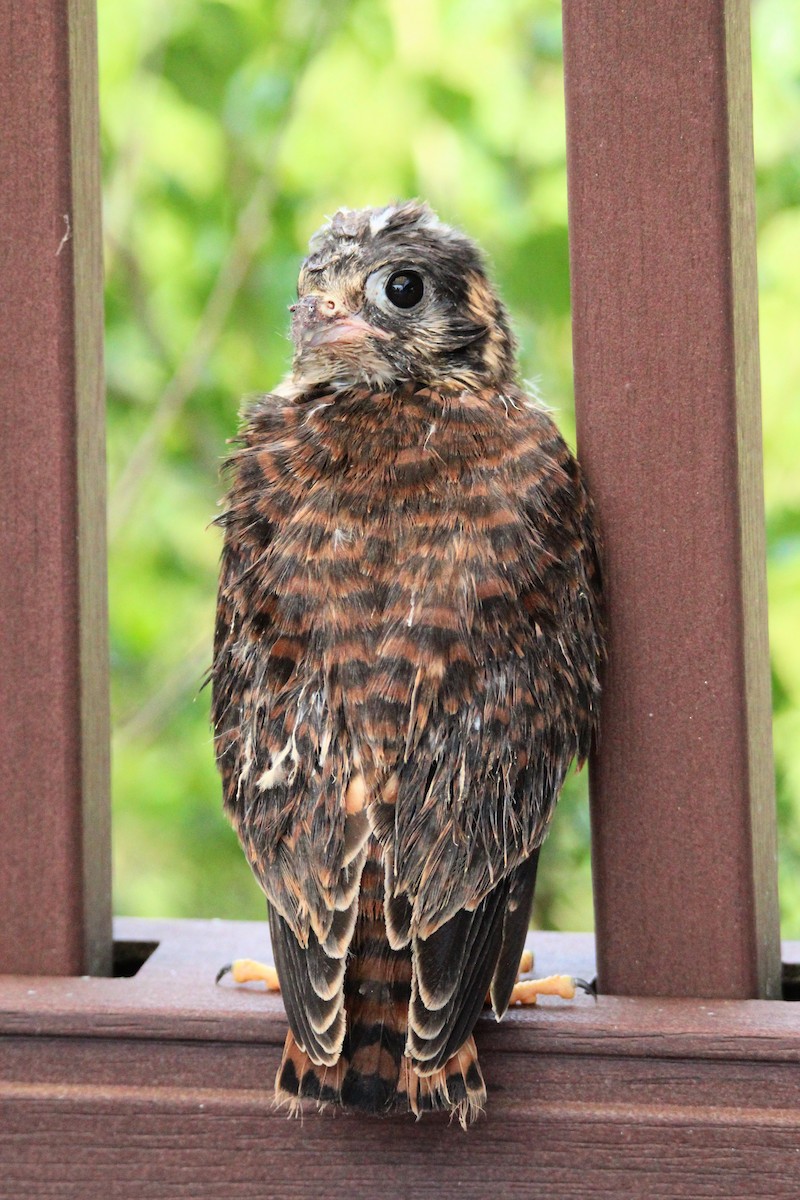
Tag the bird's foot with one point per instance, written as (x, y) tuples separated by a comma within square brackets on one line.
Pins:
[(247, 970), (527, 991)]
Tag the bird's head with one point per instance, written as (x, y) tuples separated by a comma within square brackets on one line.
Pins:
[(390, 295)]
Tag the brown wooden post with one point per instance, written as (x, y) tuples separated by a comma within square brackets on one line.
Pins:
[(660, 166), (54, 803)]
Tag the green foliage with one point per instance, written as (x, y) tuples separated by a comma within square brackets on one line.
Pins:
[(229, 129)]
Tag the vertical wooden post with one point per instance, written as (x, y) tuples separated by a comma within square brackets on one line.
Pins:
[(54, 735), (660, 167)]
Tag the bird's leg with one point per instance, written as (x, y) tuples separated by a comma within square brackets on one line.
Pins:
[(247, 970), (526, 991)]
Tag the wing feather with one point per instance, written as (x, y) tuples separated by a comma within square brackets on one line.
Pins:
[(432, 1043), (516, 921), (282, 748), (318, 1025)]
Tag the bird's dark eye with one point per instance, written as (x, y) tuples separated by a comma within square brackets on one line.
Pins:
[(405, 289)]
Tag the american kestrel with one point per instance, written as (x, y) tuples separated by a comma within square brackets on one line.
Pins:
[(406, 660)]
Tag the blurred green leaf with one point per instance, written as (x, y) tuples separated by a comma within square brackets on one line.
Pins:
[(200, 57), (536, 273)]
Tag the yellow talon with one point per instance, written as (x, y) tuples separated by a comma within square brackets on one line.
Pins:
[(247, 970), (527, 991)]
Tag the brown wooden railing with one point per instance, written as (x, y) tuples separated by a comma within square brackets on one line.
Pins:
[(664, 302), (55, 870), (158, 1084)]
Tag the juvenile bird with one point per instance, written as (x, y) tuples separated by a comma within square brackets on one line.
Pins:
[(406, 660)]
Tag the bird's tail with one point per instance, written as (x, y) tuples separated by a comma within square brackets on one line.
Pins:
[(373, 1074), (457, 1088)]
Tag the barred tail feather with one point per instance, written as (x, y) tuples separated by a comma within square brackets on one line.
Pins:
[(384, 1084), (301, 1079), (373, 1056), (374, 1074), (370, 1084), (457, 1087)]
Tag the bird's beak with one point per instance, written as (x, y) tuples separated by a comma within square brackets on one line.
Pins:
[(320, 321), (343, 329)]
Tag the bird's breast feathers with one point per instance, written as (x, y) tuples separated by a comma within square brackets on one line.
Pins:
[(401, 527)]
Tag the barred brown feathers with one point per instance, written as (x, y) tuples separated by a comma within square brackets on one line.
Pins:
[(406, 661)]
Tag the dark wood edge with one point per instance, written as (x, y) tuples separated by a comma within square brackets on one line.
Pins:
[(757, 691), (86, 249), (173, 996)]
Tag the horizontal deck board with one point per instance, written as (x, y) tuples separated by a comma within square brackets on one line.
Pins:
[(174, 997)]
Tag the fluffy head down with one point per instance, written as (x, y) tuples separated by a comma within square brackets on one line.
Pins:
[(391, 295)]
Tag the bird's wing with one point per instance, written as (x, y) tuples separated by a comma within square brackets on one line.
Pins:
[(284, 756), (470, 802), (476, 952), (460, 848)]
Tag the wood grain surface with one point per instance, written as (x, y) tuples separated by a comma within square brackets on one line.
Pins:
[(54, 731), (662, 228)]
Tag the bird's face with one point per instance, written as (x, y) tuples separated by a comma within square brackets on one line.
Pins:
[(389, 295)]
